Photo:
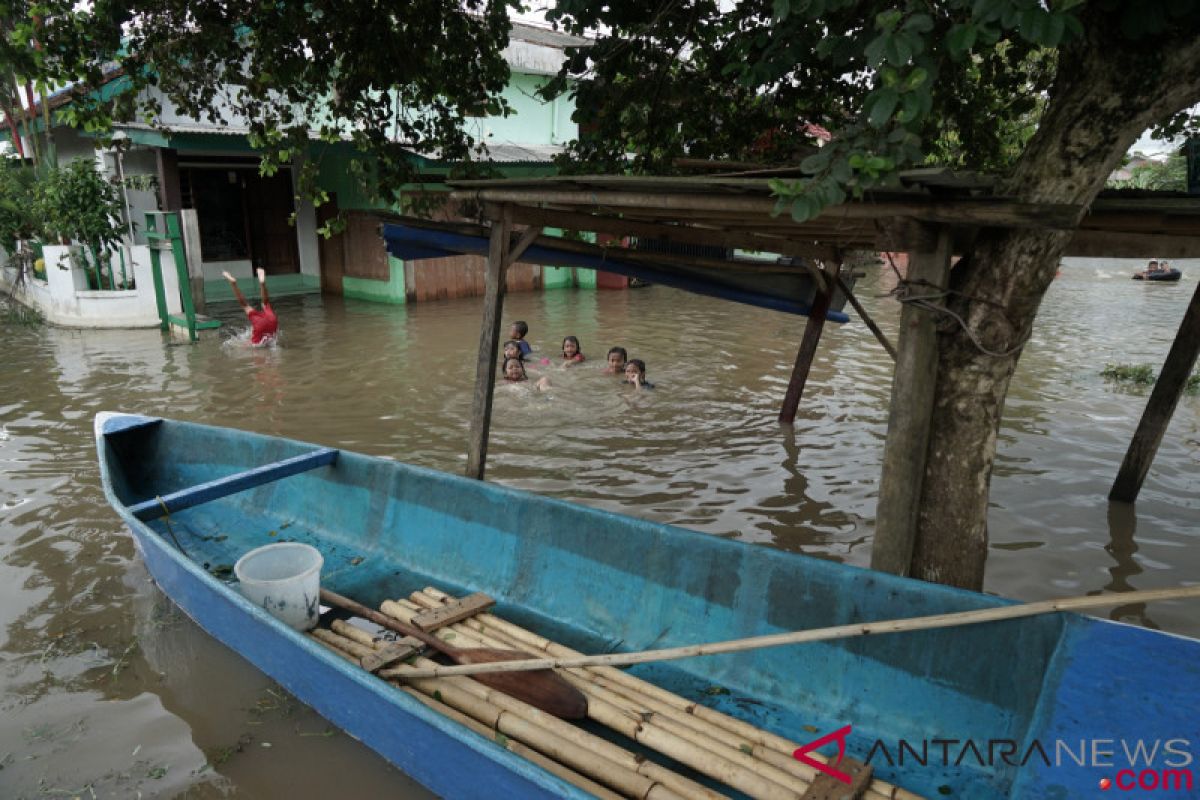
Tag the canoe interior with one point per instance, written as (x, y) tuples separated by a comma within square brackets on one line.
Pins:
[(601, 582)]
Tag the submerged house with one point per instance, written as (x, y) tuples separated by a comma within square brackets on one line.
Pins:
[(235, 219)]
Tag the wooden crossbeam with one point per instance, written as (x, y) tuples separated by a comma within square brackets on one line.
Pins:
[(452, 612), (231, 484)]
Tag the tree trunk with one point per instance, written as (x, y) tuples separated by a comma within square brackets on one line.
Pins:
[(1107, 92)]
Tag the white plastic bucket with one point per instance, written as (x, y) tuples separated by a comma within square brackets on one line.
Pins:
[(285, 580)]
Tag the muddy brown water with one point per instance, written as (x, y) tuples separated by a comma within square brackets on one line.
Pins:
[(108, 691)]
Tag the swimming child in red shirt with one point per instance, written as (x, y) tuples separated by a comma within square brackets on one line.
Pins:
[(570, 351), (263, 323)]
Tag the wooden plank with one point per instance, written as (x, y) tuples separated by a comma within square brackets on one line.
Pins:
[(984, 212), (808, 345), (1118, 244), (623, 226), (910, 413), (390, 653), (452, 612), (866, 318), (1159, 409), (827, 787), (366, 252), (489, 342), (231, 484)]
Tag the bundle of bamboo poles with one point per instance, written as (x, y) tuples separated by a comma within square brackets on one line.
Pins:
[(756, 763)]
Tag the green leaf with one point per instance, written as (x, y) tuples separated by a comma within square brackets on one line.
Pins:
[(814, 163), (910, 109), (1055, 25), (884, 105), (888, 20), (874, 50), (840, 170), (781, 9), (802, 209), (916, 78), (960, 40), (919, 23)]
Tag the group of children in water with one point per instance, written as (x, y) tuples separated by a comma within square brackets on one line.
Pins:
[(617, 362)]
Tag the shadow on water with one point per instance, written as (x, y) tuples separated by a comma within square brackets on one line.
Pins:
[(1122, 545)]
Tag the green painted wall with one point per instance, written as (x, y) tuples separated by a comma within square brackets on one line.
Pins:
[(389, 291)]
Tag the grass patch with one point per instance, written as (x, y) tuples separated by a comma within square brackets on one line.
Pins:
[(1142, 375)]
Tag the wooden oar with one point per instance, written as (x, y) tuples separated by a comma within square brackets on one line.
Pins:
[(540, 688), (818, 634)]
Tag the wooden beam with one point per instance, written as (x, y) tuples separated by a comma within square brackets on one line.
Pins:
[(1124, 244), (528, 237), (1165, 396), (866, 318), (489, 341), (624, 226), (990, 212), (808, 345), (911, 411)]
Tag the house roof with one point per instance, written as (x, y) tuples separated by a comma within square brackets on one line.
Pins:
[(546, 37)]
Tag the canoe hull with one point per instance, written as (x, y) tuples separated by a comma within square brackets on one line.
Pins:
[(600, 582), (434, 751)]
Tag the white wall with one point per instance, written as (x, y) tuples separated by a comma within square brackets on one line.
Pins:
[(64, 299)]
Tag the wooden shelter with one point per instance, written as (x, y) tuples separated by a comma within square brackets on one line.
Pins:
[(933, 216)]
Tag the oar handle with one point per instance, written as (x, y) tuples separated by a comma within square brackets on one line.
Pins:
[(345, 603)]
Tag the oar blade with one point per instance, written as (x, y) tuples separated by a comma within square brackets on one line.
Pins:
[(541, 688)]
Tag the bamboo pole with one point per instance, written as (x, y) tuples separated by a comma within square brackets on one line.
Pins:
[(568, 732), (512, 745), (820, 634), (696, 750), (531, 727), (781, 747), (640, 697)]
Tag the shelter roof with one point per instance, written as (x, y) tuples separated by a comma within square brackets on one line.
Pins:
[(740, 211)]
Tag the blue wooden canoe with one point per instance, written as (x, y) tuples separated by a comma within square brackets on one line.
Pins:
[(1070, 688)]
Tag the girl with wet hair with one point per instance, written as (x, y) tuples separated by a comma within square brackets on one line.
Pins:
[(570, 351), (514, 372)]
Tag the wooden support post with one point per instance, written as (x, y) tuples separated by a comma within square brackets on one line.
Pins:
[(489, 340), (808, 345), (1161, 406), (862, 312), (911, 411)]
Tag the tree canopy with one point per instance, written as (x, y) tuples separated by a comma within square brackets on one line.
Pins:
[(392, 79), (960, 83)]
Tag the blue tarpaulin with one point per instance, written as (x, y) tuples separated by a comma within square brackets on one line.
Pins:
[(788, 291)]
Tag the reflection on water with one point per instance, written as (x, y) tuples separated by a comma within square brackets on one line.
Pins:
[(88, 645)]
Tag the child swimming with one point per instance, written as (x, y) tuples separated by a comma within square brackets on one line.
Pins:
[(512, 349), (264, 325), (570, 351), (635, 373), (615, 361), (514, 372), (516, 333)]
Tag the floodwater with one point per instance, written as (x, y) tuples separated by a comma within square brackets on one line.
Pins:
[(107, 691)]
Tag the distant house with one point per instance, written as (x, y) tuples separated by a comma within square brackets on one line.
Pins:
[(237, 220)]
